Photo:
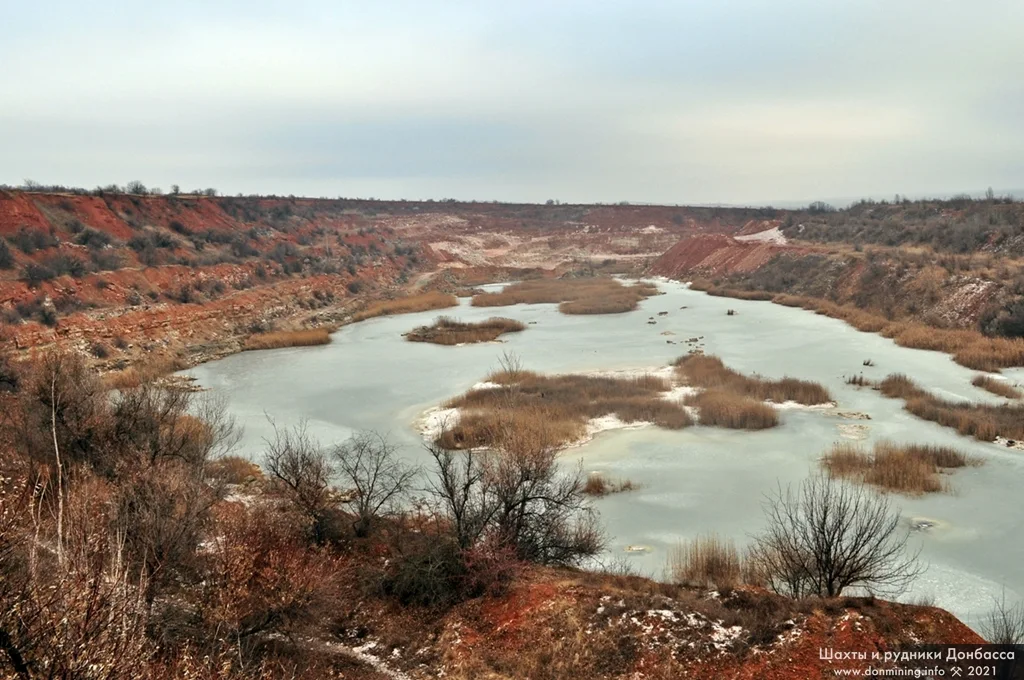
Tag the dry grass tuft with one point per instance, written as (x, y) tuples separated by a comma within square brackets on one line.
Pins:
[(234, 470), (910, 469), (600, 295), (404, 305), (448, 331), (554, 410), (996, 386), (597, 485), (707, 561), (981, 421), (722, 408), (276, 339), (143, 372), (701, 370)]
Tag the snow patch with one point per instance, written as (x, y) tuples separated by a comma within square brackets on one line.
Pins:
[(773, 235)]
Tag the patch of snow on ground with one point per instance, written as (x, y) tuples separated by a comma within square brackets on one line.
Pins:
[(793, 406), (485, 385), (773, 235), (432, 422)]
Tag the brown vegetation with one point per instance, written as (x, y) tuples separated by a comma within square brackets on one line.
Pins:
[(996, 386), (969, 347), (599, 485), (448, 331), (722, 408), (707, 561), (595, 295), (981, 421), (555, 409), (708, 371), (420, 302), (277, 339), (909, 469)]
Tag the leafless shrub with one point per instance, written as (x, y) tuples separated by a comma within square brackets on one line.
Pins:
[(299, 467), (828, 536), (74, 612), (378, 479), (1004, 625)]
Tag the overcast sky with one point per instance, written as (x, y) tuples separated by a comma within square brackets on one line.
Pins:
[(721, 101)]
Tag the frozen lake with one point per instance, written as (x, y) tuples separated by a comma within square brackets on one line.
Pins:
[(695, 480)]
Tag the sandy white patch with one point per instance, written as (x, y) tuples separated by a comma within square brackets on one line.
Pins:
[(485, 385), (797, 406), (853, 432), (1010, 443), (434, 420), (773, 235)]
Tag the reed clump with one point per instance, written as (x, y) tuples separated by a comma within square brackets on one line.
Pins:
[(995, 386), (555, 410), (301, 338), (599, 485), (448, 331), (723, 408), (148, 370), (599, 295), (708, 371), (981, 421), (707, 561), (912, 469), (419, 302)]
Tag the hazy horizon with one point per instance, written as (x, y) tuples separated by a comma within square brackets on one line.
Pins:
[(735, 103)]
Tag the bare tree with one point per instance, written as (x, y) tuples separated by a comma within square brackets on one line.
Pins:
[(1004, 625), (829, 536), (378, 479), (542, 514), (300, 467), (462, 488)]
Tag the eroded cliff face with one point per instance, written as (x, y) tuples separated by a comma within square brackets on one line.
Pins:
[(193, 275), (894, 283)]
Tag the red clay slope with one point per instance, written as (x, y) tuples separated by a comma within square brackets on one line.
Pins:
[(716, 254)]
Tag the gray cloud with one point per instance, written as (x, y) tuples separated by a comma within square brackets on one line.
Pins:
[(739, 101)]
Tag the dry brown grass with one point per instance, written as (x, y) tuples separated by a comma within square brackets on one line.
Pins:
[(969, 347), (554, 410), (908, 468), (708, 371), (448, 331), (981, 421), (600, 295), (721, 408), (305, 337), (707, 561), (145, 371), (234, 470), (420, 302), (995, 386), (598, 485)]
